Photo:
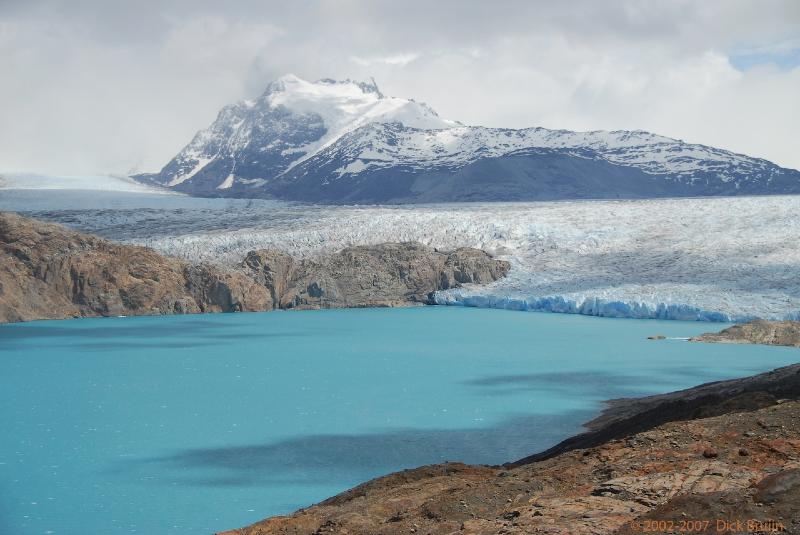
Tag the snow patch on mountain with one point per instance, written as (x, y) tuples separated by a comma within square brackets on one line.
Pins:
[(184, 176), (385, 146), (227, 183), (346, 106), (352, 168)]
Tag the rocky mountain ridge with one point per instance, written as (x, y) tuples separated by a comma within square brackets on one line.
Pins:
[(345, 142), (50, 272)]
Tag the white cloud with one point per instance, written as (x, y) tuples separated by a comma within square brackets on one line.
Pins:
[(100, 87), (399, 60), (81, 106)]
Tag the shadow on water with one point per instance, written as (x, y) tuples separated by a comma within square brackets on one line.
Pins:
[(195, 341), (132, 334), (107, 327), (314, 459), (133, 346), (320, 458), (698, 375), (593, 384), (602, 385)]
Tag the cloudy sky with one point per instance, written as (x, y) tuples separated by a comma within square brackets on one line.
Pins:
[(103, 86)]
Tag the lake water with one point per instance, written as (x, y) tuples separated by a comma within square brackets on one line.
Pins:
[(191, 424)]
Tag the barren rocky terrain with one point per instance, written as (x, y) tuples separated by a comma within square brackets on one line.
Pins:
[(776, 333), (50, 272)]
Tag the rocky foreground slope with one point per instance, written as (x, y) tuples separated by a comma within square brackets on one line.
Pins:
[(50, 272), (719, 458)]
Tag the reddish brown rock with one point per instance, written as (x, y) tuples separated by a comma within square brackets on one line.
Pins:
[(710, 453), (50, 272), (777, 333), (388, 274), (47, 271)]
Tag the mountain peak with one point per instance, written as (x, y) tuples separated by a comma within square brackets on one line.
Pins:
[(335, 140), (280, 83), (324, 86), (366, 87)]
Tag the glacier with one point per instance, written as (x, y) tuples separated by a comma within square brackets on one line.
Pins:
[(707, 259), (108, 183)]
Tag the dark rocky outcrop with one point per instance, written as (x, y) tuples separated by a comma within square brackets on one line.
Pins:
[(50, 272), (776, 333), (625, 416), (768, 506), (220, 290), (388, 274)]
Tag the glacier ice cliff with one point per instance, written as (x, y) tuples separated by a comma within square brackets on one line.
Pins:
[(592, 306)]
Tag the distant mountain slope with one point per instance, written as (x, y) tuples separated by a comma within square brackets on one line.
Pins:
[(345, 142)]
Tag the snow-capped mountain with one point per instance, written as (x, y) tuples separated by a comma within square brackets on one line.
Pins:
[(344, 141)]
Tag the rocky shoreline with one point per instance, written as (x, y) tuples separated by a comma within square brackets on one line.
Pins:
[(50, 272), (777, 333), (688, 461)]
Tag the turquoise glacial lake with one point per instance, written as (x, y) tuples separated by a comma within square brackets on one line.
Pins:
[(192, 424)]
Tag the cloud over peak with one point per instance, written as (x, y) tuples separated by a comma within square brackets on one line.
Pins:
[(105, 86)]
